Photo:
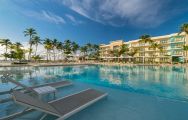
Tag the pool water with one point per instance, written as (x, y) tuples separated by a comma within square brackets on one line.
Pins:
[(131, 89)]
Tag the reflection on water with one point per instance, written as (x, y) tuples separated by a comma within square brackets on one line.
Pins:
[(171, 82)]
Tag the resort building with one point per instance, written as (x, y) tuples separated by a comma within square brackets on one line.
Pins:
[(171, 50)]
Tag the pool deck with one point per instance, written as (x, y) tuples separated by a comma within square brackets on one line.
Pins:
[(4, 64)]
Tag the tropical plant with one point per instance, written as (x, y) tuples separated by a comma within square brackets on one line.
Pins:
[(6, 43), (36, 41), (37, 57), (18, 45), (54, 46), (75, 47), (184, 28), (48, 46), (124, 49), (67, 47), (18, 52), (83, 50), (132, 52), (145, 38), (96, 52), (31, 33), (155, 46), (59, 47), (185, 49), (89, 48)]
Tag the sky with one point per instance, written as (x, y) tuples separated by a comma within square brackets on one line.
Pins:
[(94, 21)]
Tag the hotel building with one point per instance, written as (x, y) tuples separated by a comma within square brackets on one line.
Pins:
[(171, 49)]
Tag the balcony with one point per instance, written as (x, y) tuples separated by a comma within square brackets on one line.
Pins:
[(177, 40)]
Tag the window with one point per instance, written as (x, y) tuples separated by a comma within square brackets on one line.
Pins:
[(164, 47), (141, 54), (163, 53), (164, 41), (142, 49)]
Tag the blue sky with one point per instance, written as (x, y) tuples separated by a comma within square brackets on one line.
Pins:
[(95, 21)]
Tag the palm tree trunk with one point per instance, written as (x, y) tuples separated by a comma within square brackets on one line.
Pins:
[(36, 49), (54, 53), (47, 55), (29, 56), (6, 52)]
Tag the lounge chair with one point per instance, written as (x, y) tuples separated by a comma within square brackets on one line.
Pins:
[(39, 90), (63, 107)]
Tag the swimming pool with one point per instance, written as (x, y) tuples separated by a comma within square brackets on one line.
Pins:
[(129, 88)]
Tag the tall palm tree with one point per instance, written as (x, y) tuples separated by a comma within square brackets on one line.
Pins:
[(184, 28), (83, 50), (6, 43), (145, 39), (48, 46), (67, 47), (123, 50), (75, 47), (155, 46), (54, 45), (96, 52), (36, 41), (31, 33), (59, 47), (89, 48), (185, 49)]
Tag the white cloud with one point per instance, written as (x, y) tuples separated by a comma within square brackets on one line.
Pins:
[(73, 19), (120, 12), (46, 15)]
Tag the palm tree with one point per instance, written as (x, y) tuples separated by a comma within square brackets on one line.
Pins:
[(83, 50), (59, 47), (89, 48), (145, 38), (36, 41), (75, 47), (19, 52), (67, 47), (54, 45), (48, 46), (116, 53), (155, 46), (18, 45), (96, 51), (184, 28), (31, 33), (6, 43), (185, 48), (132, 52), (124, 48)]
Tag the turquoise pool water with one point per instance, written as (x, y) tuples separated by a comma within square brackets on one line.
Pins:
[(129, 89)]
